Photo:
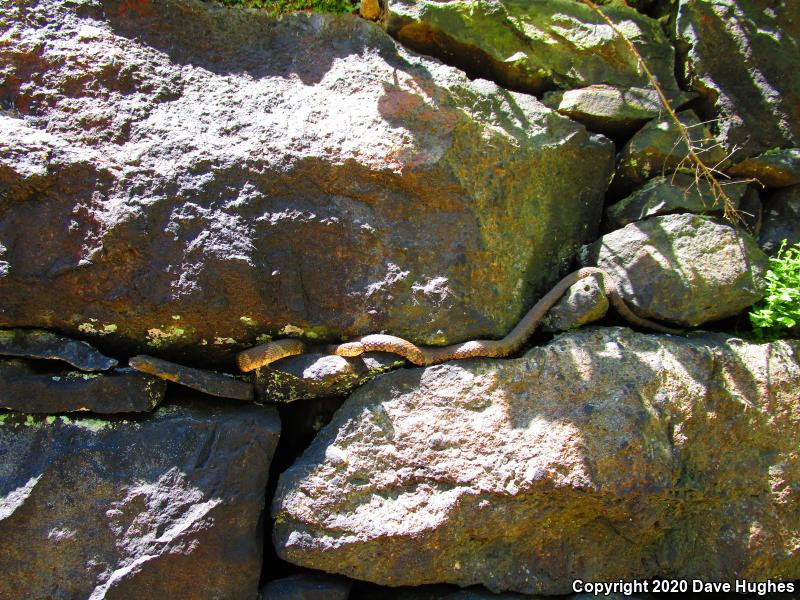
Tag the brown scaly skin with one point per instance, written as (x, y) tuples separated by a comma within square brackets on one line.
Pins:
[(258, 356), (427, 355)]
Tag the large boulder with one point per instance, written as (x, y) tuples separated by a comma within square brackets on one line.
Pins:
[(168, 506), (606, 455), (182, 178), (683, 269), (744, 57), (535, 46)]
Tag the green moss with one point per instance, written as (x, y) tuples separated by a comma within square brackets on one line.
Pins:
[(85, 422), (282, 7)]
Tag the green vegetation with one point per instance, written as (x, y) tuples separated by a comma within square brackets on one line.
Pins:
[(281, 7), (779, 311)]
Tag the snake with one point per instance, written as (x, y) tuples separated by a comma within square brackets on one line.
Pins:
[(264, 354)]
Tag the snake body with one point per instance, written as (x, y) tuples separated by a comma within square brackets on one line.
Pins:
[(428, 355)]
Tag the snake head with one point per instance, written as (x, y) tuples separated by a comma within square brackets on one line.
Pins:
[(350, 349)]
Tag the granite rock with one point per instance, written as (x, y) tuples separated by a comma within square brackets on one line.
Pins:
[(679, 192), (533, 47), (684, 269), (192, 177), (744, 58), (617, 112), (604, 455), (167, 506), (779, 167), (658, 148)]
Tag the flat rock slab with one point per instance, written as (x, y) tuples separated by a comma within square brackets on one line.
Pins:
[(684, 269), (203, 380), (183, 177), (534, 47), (36, 343), (679, 192), (612, 110), (779, 167), (167, 506), (317, 375), (743, 57), (604, 455), (25, 388)]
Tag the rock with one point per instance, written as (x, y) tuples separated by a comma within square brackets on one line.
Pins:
[(370, 10), (316, 375), (534, 48), (683, 269), (743, 57), (208, 382), (675, 456), (152, 186), (657, 149), (614, 111), (24, 388), (307, 586), (167, 506), (781, 219), (443, 592), (35, 343), (751, 212), (584, 302), (779, 167), (679, 192)]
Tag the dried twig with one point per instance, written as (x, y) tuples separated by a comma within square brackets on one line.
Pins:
[(701, 169)]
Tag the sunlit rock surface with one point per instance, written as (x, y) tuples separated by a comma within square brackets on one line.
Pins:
[(179, 178), (601, 456)]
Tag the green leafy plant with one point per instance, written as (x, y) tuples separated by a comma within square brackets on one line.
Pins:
[(779, 311), (280, 7)]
